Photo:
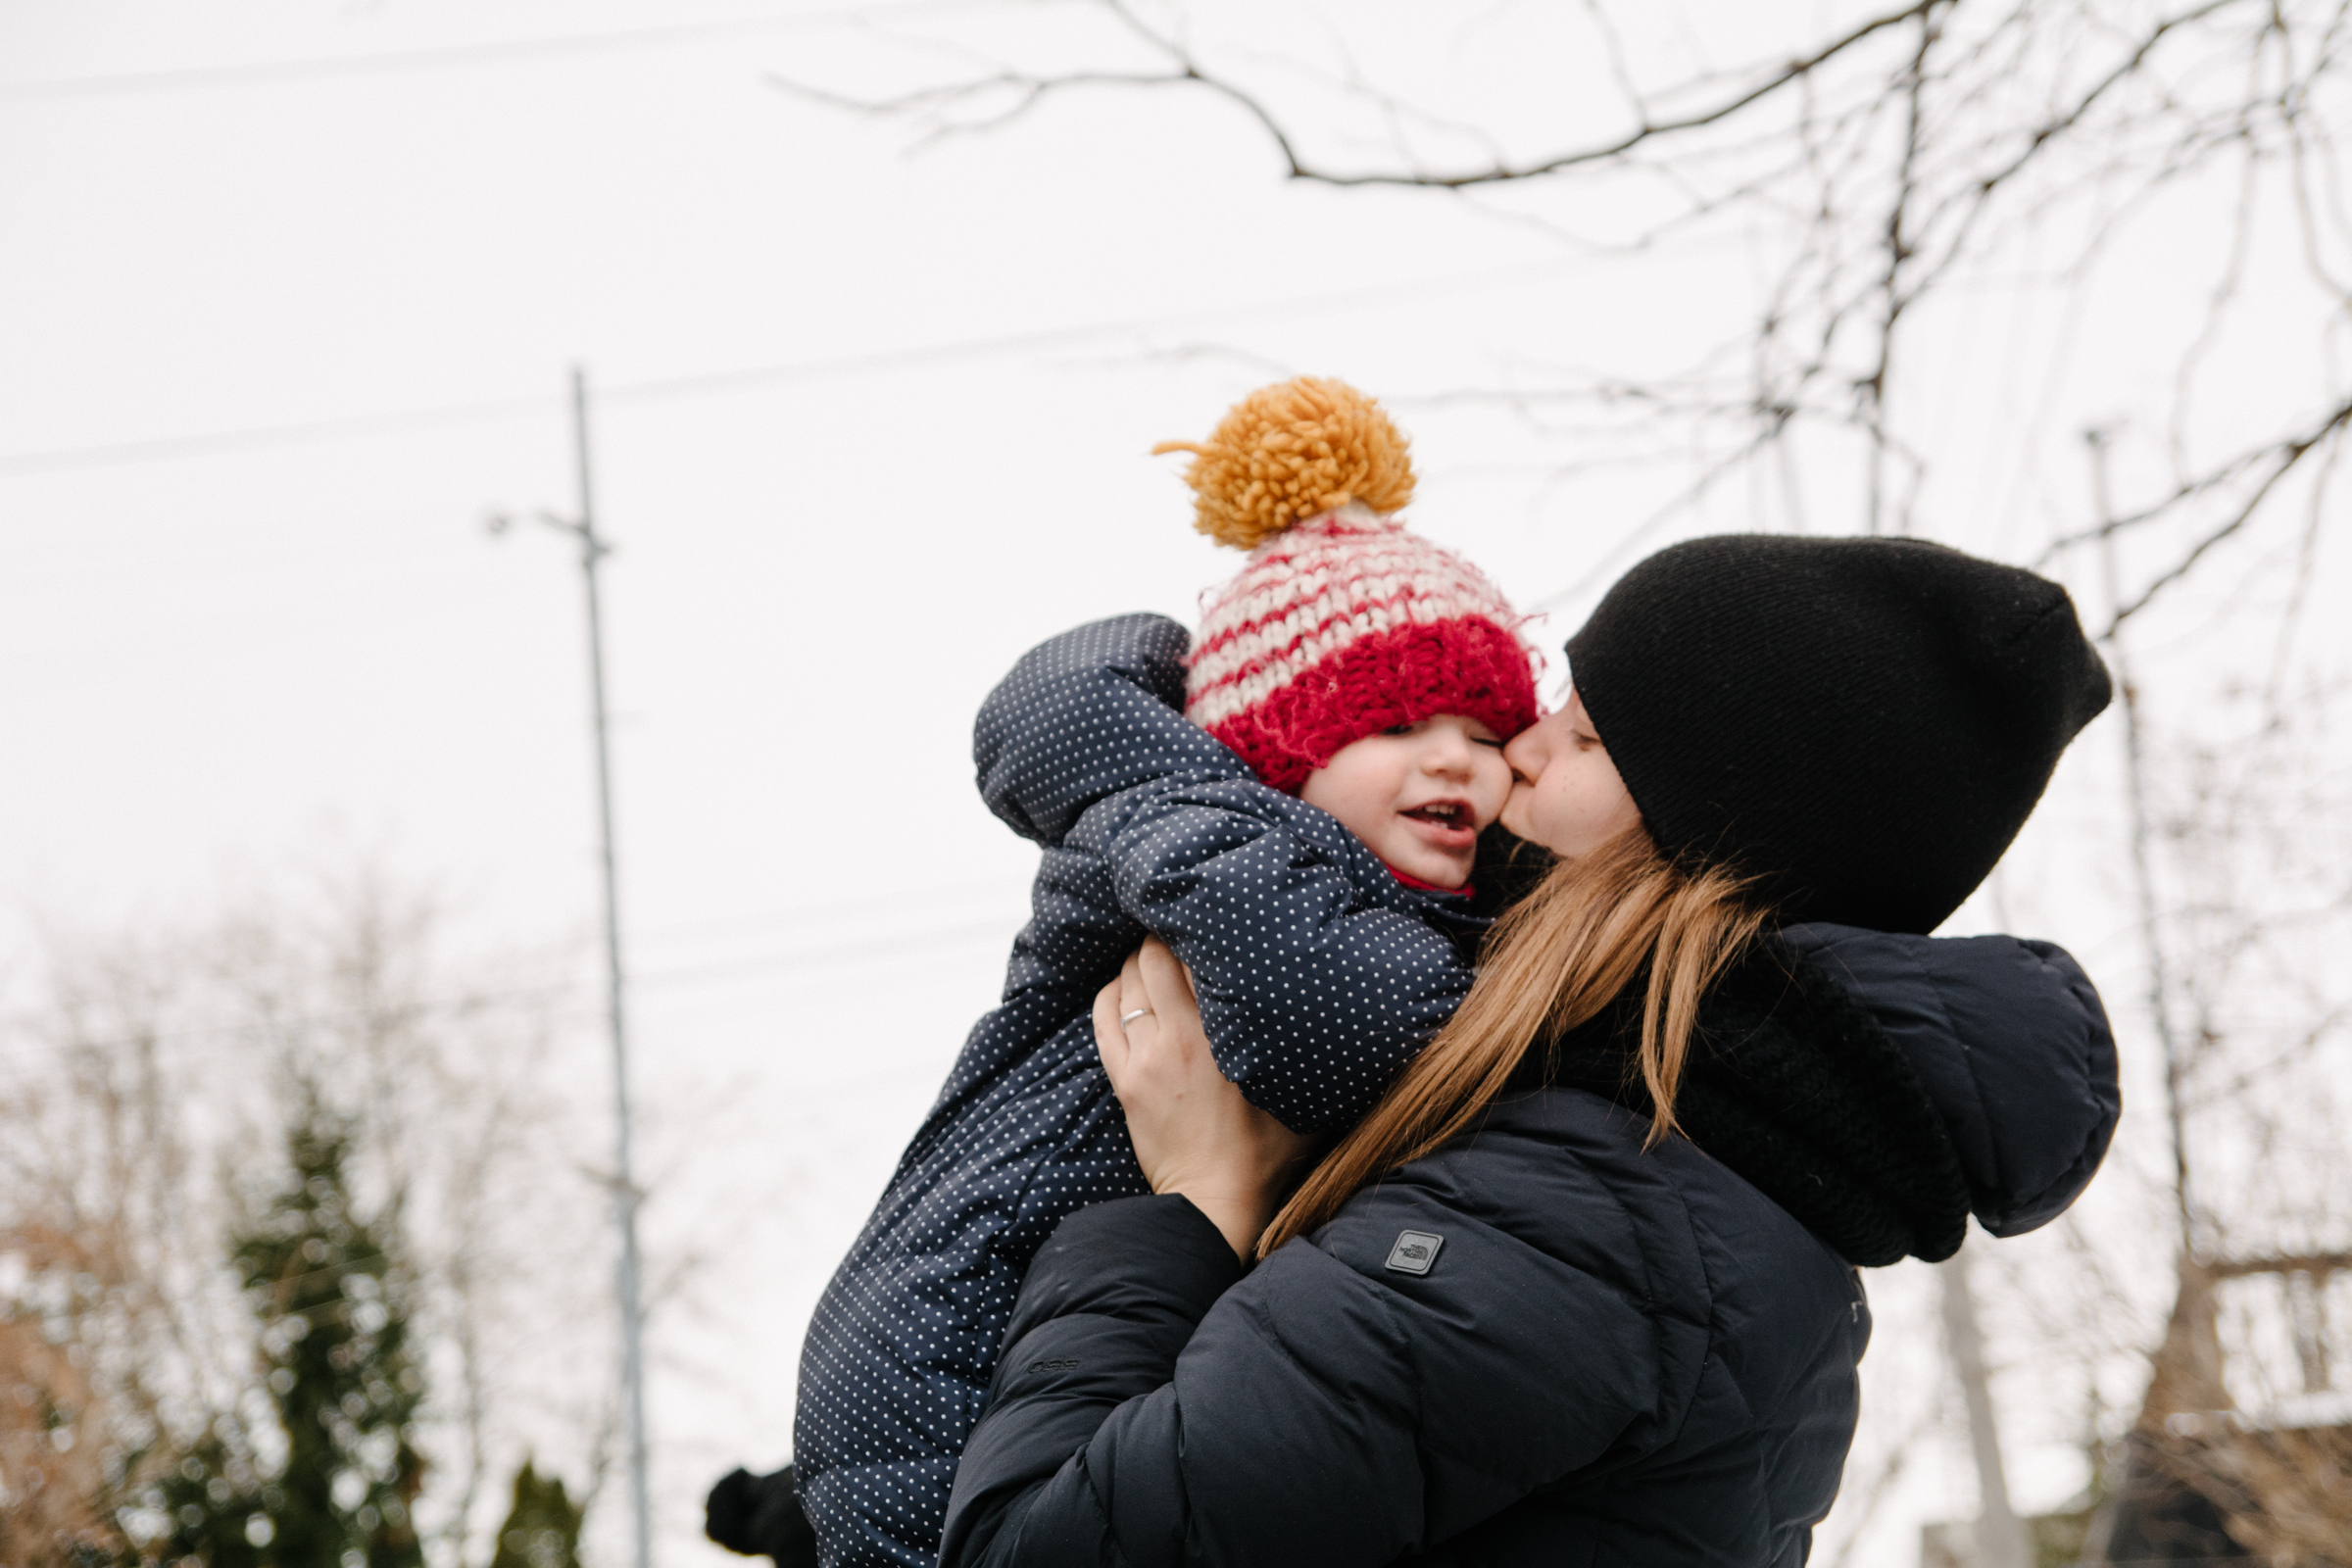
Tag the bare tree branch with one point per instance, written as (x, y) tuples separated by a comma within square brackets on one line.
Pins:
[(1029, 88), (2285, 458), (1645, 131), (1897, 246)]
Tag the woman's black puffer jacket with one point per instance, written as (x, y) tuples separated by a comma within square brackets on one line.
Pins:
[(1544, 1344)]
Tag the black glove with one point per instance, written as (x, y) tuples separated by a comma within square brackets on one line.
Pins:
[(760, 1516)]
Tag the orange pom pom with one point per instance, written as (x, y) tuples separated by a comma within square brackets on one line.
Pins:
[(1294, 450)]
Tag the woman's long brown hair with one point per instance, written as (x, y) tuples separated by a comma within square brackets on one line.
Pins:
[(1555, 960)]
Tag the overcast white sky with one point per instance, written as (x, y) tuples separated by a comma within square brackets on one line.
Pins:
[(871, 426)]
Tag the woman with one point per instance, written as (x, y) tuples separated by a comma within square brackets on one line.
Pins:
[(1582, 1289)]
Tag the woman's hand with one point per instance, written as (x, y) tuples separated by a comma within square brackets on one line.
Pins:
[(1194, 1132)]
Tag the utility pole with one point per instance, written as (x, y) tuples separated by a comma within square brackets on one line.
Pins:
[(2002, 1537), (625, 1196)]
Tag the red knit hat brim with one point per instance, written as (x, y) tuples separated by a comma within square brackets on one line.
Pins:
[(1402, 675)]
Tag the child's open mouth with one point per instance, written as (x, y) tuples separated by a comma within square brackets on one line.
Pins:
[(1450, 823)]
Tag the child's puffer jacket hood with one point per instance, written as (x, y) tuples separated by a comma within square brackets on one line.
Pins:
[(2010, 1042)]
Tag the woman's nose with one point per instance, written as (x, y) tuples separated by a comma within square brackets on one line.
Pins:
[(1525, 754)]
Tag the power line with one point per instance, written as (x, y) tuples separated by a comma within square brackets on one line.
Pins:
[(953, 936), (687, 976), (115, 453), (272, 71), (716, 383), (829, 911)]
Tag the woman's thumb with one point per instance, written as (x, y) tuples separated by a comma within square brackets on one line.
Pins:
[(1110, 1041)]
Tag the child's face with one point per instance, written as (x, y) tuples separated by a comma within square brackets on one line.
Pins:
[(1566, 794), (1417, 795)]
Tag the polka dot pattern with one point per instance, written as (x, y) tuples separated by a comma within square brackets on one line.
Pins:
[(1319, 974)]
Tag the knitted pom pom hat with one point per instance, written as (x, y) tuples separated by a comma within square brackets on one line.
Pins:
[(1343, 622)]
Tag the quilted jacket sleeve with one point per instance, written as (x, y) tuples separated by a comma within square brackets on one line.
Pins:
[(1319, 974), (1085, 716), (1327, 1409)]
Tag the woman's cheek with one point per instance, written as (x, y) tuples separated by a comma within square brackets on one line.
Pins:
[(1514, 813)]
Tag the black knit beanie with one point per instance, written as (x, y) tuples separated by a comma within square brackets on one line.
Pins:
[(1863, 724)]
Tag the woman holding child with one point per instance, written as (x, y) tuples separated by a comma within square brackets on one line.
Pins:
[(1576, 1280), (1582, 1286)]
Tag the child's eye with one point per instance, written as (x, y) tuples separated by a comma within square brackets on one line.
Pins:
[(1400, 729), (1486, 740)]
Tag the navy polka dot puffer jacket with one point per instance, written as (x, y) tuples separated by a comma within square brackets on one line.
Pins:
[(1319, 975)]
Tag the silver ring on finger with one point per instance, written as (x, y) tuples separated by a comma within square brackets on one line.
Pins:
[(1126, 1018)]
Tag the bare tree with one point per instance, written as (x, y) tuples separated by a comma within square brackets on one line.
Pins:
[(142, 1102), (2242, 864), (1853, 185), (54, 1485), (1877, 168)]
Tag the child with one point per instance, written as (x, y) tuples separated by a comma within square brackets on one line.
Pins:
[(1305, 844)]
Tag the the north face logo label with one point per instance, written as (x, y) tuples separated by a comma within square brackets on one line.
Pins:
[(1414, 1252)]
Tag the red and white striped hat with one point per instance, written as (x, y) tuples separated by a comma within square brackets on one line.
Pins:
[(1344, 622)]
